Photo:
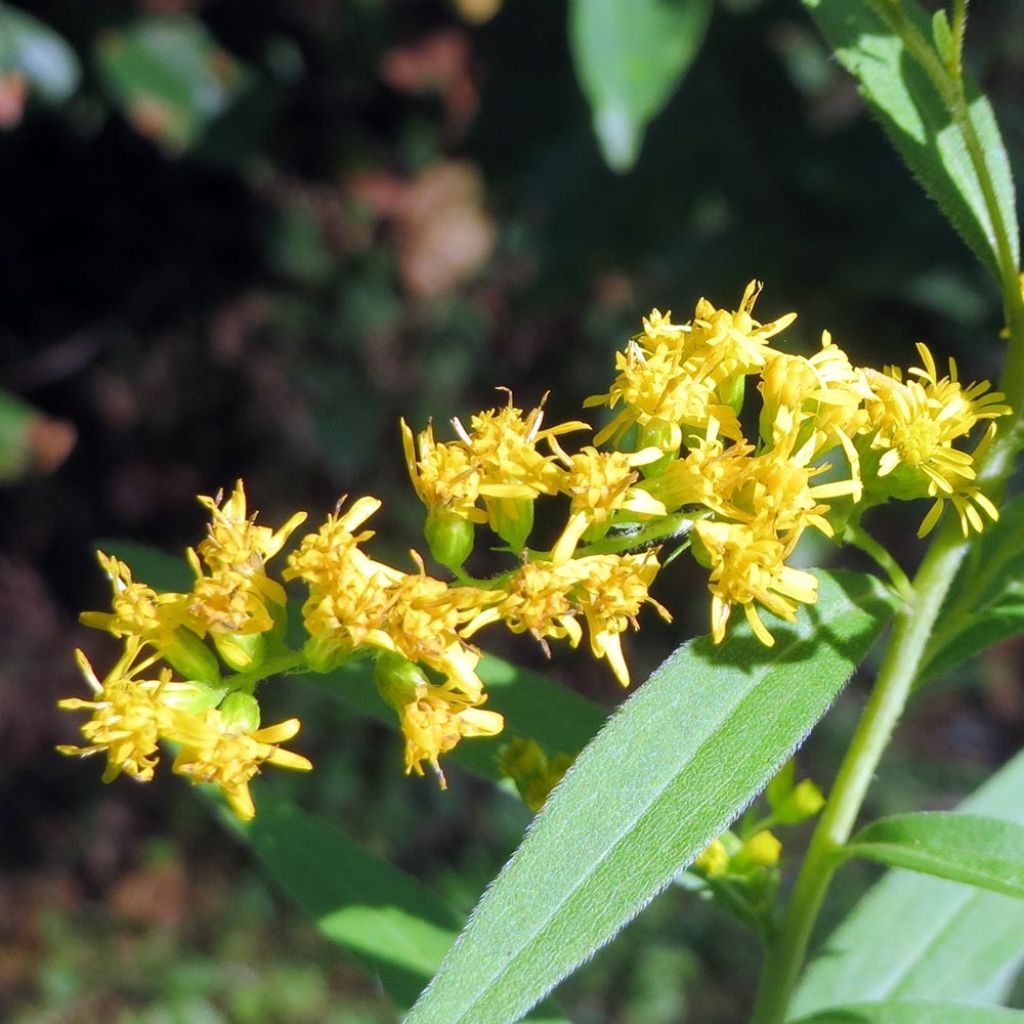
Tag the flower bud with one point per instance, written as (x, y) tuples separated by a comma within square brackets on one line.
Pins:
[(191, 658), (242, 652), (803, 802), (761, 850), (240, 712), (450, 538), (397, 678), (512, 520)]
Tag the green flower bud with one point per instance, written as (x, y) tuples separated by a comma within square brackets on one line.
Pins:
[(323, 654), (240, 712), (450, 538), (192, 659), (761, 850), (512, 520), (397, 678), (243, 653), (803, 802)]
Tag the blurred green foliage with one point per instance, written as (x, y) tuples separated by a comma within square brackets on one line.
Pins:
[(242, 239)]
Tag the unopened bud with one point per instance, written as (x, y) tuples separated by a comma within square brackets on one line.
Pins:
[(450, 538), (240, 712)]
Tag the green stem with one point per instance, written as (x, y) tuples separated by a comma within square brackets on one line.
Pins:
[(915, 622), (860, 538), (910, 634)]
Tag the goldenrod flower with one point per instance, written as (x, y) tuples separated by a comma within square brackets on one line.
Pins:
[(234, 541), (535, 600), (534, 773), (825, 390), (212, 752), (708, 475), (422, 622), (914, 424), (138, 610), (129, 714), (433, 718), (658, 387), (445, 476), (732, 343), (599, 485), (610, 591), (513, 473), (747, 566), (324, 557)]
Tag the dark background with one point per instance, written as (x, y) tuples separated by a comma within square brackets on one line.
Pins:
[(401, 207)]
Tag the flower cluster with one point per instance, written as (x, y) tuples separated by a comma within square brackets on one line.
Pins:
[(673, 466)]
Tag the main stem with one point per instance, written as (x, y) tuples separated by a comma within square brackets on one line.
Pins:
[(915, 621), (910, 635)]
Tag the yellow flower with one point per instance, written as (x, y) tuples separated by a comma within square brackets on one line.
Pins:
[(658, 388), (708, 475), (445, 476), (777, 490), (433, 719), (234, 541), (226, 602), (129, 714), (502, 444), (324, 557), (600, 484), (825, 389), (535, 600), (733, 343), (422, 622), (138, 610), (211, 752), (914, 424), (747, 566), (610, 591)]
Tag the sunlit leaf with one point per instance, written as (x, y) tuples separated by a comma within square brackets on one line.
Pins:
[(915, 937), (969, 848), (678, 761), (905, 101)]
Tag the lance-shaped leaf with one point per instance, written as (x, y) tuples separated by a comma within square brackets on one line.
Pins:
[(969, 848), (399, 929), (915, 1012), (678, 761), (915, 937), (629, 59), (905, 101)]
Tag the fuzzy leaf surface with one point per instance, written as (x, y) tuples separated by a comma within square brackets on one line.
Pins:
[(915, 937), (913, 115), (674, 765)]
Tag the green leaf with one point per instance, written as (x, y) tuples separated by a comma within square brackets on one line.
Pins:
[(986, 603), (678, 761), (169, 77), (914, 117), (630, 58), (906, 1012), (396, 927), (969, 848), (914, 937), (399, 929), (34, 50)]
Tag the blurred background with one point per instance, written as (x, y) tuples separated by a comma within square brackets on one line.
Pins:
[(241, 239)]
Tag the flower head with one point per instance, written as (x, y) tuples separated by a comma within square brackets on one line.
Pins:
[(129, 714), (212, 751)]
